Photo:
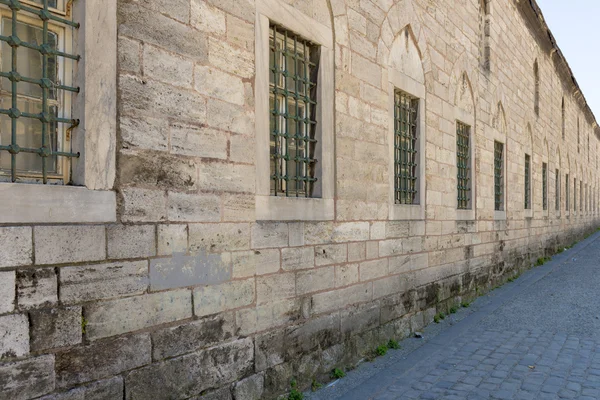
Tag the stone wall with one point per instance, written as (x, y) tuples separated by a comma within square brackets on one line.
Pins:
[(188, 295)]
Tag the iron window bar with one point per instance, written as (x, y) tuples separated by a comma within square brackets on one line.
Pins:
[(545, 186), (527, 182), (463, 164), (406, 110), (498, 176), (45, 83), (294, 65)]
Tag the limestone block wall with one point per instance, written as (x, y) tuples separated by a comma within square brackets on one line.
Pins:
[(189, 296)]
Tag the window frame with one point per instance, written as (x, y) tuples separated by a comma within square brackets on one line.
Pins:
[(567, 194), (545, 187), (557, 194), (321, 206), (400, 81), (91, 199), (527, 189), (500, 213)]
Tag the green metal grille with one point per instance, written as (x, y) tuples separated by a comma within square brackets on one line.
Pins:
[(463, 164), (293, 92), (545, 186), (557, 192), (580, 196), (406, 111), (47, 115), (575, 194), (527, 182), (567, 194), (498, 176)]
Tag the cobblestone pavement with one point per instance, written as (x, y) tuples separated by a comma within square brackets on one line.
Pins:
[(535, 338)]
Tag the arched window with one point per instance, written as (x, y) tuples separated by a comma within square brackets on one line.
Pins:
[(563, 117), (484, 29), (536, 96)]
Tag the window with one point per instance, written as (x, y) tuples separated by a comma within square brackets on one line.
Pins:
[(35, 93), (557, 192), (563, 117), (545, 186), (498, 176), (527, 182), (580, 196), (463, 164), (294, 111), (484, 27), (406, 110), (567, 194), (536, 98), (578, 138), (294, 65), (575, 194)]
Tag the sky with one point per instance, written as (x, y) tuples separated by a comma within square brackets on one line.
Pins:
[(574, 24)]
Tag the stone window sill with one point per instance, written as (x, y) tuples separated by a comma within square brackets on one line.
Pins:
[(465, 215), (500, 215), (46, 204), (406, 212)]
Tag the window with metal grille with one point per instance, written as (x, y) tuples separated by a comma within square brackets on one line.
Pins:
[(568, 195), (557, 192), (406, 111), (294, 64), (580, 196), (545, 186), (498, 176), (35, 91), (536, 76), (527, 182), (463, 165), (575, 195)]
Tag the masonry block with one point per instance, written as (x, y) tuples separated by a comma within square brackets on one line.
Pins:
[(36, 287), (57, 327), (16, 245), (67, 244), (226, 296), (131, 241), (26, 379), (102, 359), (14, 340), (102, 281), (114, 317)]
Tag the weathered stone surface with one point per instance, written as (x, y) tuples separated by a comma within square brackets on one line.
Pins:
[(227, 296), (359, 319), (238, 207), (226, 177), (195, 141), (250, 388), (276, 347), (101, 390), (181, 270), (22, 380), (150, 26), (8, 290), (219, 394), (230, 117), (266, 316), (297, 258), (269, 234), (102, 359), (36, 287), (148, 133), (168, 67), (193, 336), (206, 18), (331, 254), (144, 205), (160, 170), (339, 298), (129, 52), (275, 287), (172, 239), (210, 368), (57, 327), (103, 281), (114, 317), (131, 241), (65, 244), (194, 207), (16, 245), (214, 83), (315, 280), (14, 336), (255, 262), (211, 238), (230, 59)]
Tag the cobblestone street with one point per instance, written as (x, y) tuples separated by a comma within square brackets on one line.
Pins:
[(535, 338)]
